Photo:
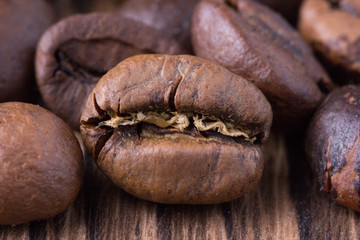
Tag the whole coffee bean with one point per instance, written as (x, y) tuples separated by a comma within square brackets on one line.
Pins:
[(333, 146), (21, 26), (332, 28), (177, 129), (74, 53), (41, 164), (171, 17), (254, 42)]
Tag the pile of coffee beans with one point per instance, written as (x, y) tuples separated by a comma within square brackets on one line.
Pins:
[(174, 99)]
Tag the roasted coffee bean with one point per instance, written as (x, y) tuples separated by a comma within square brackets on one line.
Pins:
[(41, 164), (333, 146), (172, 17), (332, 28), (73, 55), (21, 26), (177, 129), (254, 42)]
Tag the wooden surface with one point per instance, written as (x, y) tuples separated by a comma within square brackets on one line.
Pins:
[(285, 205)]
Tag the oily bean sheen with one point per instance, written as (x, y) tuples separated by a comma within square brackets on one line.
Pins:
[(332, 28), (254, 42), (172, 17), (181, 163), (333, 146), (74, 53), (21, 26), (41, 164)]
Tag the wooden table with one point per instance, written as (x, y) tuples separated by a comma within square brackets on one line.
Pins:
[(285, 205)]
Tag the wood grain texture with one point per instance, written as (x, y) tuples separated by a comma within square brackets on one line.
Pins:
[(285, 205), (318, 216)]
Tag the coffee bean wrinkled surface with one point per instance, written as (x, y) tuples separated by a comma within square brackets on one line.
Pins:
[(77, 51), (333, 146), (41, 165), (181, 130), (251, 40)]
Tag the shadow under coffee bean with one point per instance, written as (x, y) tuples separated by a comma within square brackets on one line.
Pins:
[(288, 9), (181, 130), (74, 53)]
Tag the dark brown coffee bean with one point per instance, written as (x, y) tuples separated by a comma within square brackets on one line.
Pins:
[(171, 17), (73, 54), (21, 26), (333, 146), (332, 28), (254, 42), (177, 129), (41, 164)]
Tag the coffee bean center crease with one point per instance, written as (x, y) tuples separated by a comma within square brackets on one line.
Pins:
[(177, 120)]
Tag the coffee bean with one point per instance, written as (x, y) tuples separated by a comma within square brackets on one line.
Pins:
[(181, 130), (333, 146), (254, 42), (41, 164), (171, 17), (73, 54), (332, 28), (21, 26)]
